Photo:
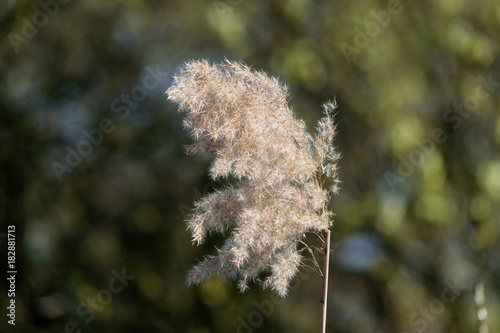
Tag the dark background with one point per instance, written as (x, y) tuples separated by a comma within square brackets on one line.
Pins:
[(419, 131)]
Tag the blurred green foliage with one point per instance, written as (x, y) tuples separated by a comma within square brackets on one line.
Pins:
[(419, 128)]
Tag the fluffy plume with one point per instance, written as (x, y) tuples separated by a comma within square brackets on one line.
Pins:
[(242, 117)]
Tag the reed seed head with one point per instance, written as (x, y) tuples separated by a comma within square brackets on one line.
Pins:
[(242, 117)]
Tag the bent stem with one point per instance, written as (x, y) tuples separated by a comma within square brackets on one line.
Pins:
[(326, 265), (481, 311)]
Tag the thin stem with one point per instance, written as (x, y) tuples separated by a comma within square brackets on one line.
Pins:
[(481, 311), (326, 265)]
